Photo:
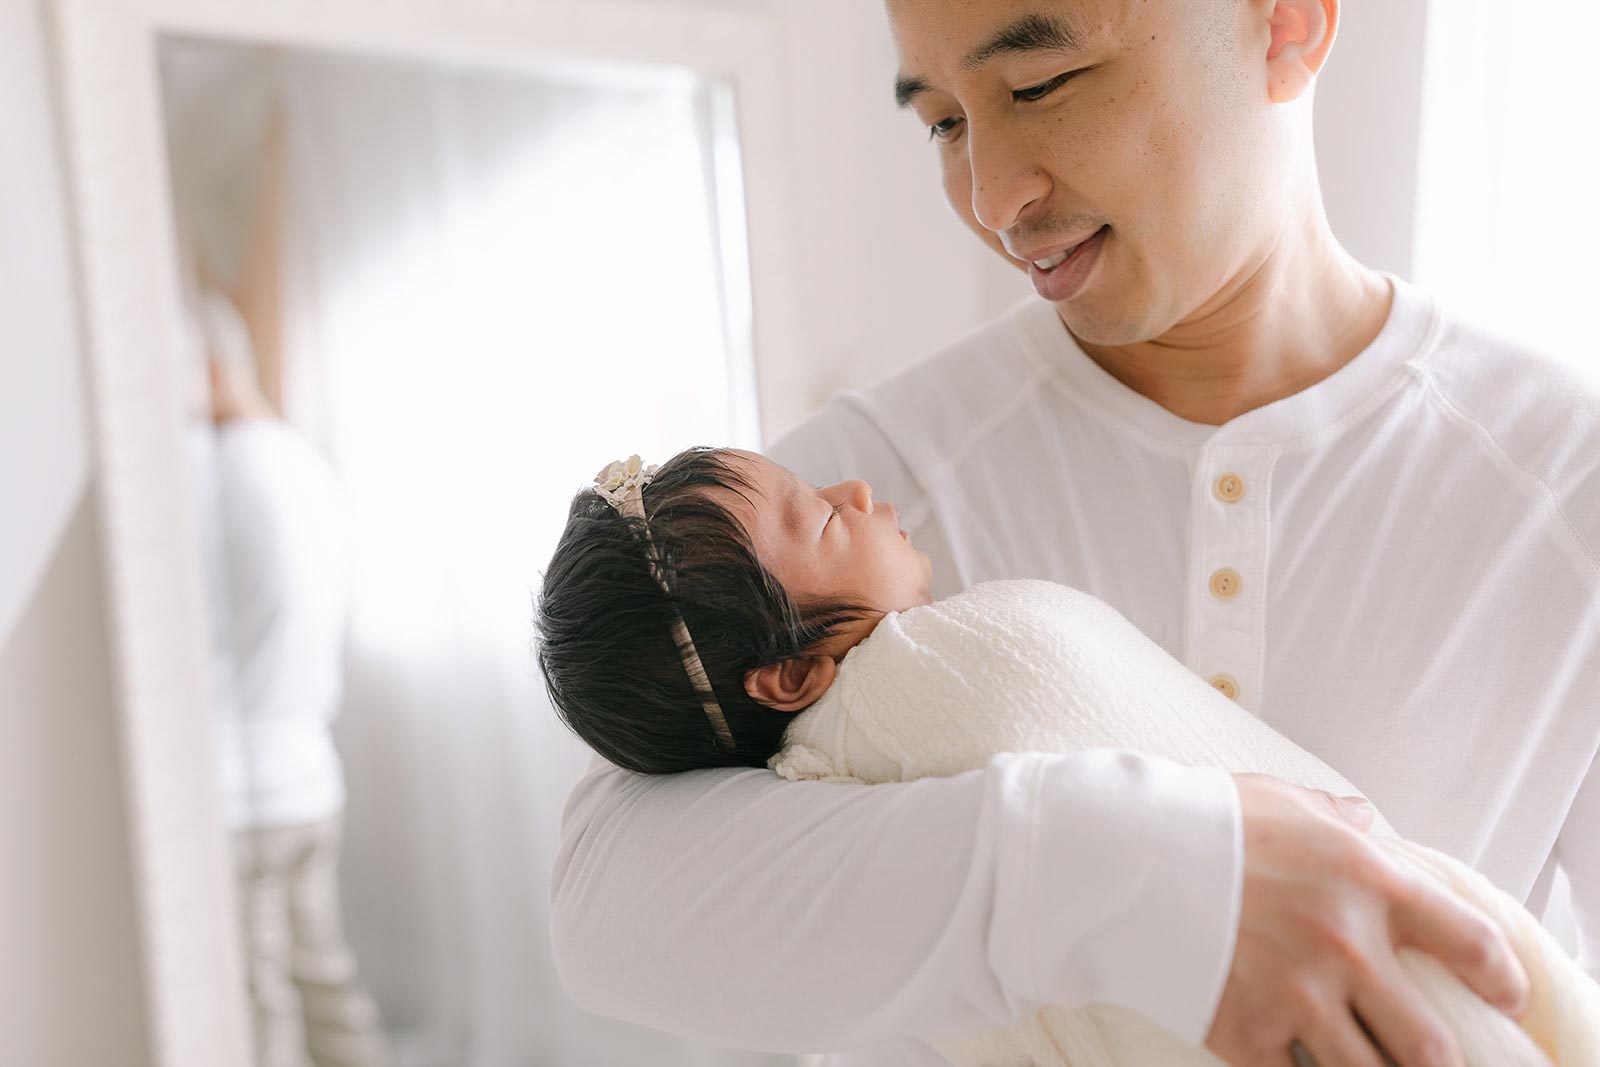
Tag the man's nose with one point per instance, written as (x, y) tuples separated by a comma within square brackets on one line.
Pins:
[(1005, 177)]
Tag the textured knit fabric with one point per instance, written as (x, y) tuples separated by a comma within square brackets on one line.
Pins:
[(1026, 665)]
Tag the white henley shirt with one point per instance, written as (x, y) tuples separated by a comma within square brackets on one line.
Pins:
[(275, 539), (1396, 568)]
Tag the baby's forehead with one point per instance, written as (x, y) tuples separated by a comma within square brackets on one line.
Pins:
[(776, 495), (772, 482)]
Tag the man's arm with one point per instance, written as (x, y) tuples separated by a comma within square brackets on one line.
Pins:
[(741, 909)]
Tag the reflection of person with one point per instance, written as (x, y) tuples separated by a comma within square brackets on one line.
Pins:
[(1277, 463), (284, 580), (798, 634)]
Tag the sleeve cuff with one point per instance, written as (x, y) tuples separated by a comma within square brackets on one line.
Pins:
[(1119, 879)]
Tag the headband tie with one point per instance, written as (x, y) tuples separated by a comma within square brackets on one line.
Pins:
[(621, 484)]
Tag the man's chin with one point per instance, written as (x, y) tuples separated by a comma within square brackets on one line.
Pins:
[(1092, 323)]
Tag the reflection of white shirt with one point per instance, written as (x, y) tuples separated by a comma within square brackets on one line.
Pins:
[(275, 535), (1402, 575)]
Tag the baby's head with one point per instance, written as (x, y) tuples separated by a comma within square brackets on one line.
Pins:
[(773, 581)]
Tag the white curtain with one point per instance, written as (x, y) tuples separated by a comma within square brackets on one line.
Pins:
[(494, 283), (1508, 216)]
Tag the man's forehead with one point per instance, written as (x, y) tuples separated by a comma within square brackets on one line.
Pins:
[(936, 34), (957, 24)]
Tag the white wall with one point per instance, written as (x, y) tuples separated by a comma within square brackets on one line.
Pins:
[(43, 459), (1369, 100), (70, 990)]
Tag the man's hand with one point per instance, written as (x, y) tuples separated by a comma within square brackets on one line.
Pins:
[(1315, 962)]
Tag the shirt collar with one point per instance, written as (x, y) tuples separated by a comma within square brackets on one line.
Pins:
[(1405, 334)]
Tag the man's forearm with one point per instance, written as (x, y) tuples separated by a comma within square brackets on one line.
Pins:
[(741, 909)]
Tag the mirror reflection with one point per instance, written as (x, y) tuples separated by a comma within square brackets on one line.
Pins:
[(401, 280)]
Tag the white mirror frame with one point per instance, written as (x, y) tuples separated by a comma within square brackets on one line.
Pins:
[(194, 995)]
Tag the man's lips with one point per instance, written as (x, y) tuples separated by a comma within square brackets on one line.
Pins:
[(1042, 256), (1066, 274)]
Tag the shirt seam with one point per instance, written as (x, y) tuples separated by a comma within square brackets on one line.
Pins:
[(1503, 458), (946, 465), (1263, 585), (1383, 390), (1109, 419)]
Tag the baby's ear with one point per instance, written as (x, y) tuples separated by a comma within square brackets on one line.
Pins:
[(791, 684)]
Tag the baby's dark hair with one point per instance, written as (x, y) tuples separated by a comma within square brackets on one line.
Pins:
[(605, 623)]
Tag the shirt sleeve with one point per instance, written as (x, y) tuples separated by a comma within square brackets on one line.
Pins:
[(1578, 853), (737, 908)]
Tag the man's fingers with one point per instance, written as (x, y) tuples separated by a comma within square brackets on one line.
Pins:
[(1339, 1042), (1463, 939), (1400, 1019)]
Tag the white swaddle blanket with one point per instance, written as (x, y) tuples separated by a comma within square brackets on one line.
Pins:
[(1020, 666)]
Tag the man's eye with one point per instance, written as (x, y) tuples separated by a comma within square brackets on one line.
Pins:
[(1044, 89), (944, 129)]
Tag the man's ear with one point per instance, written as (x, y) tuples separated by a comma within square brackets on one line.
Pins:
[(791, 684), (1302, 37)]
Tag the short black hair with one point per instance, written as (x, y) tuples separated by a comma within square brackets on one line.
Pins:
[(604, 623)]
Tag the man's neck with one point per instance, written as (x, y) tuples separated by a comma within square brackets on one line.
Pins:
[(1302, 312)]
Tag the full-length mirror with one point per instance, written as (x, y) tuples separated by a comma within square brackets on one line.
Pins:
[(421, 300)]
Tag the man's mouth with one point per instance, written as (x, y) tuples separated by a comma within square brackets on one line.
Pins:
[(1055, 259)]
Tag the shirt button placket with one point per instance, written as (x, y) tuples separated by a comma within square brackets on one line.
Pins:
[(1224, 639)]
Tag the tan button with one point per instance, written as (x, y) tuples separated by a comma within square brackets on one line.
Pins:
[(1229, 487), (1226, 686), (1225, 583)]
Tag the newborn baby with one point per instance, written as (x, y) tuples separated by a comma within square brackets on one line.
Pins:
[(686, 624)]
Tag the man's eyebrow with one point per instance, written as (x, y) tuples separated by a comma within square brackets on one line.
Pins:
[(908, 89), (1030, 33)]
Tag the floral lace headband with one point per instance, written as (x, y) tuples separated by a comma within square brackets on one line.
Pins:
[(621, 484)]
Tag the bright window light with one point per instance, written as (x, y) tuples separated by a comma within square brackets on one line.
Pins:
[(1508, 198)]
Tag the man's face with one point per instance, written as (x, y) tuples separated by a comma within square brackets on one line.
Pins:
[(1141, 129)]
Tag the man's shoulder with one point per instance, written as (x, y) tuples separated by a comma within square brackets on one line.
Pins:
[(1532, 398), (935, 402), (1537, 411)]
